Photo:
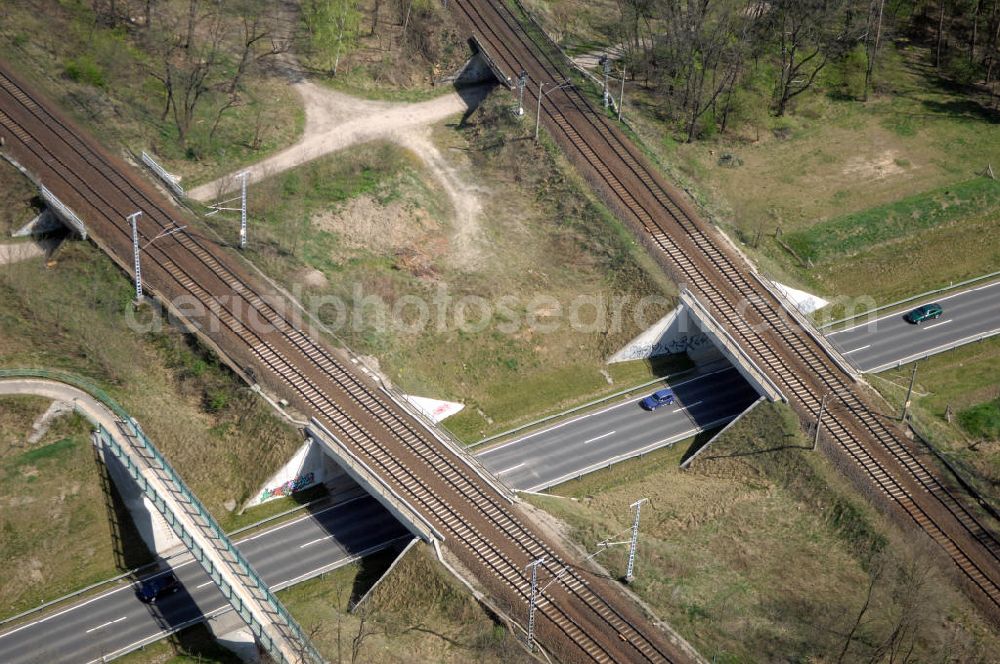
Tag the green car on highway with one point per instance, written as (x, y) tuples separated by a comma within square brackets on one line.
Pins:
[(926, 312)]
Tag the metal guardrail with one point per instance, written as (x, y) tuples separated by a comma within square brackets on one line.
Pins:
[(137, 571), (379, 488), (132, 430), (228, 546), (773, 392), (607, 463), (62, 211), (934, 351), (445, 438), (70, 379), (576, 409), (566, 56), (169, 179), (108, 441), (912, 298), (806, 325)]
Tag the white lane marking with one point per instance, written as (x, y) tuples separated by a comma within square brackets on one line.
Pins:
[(923, 354), (669, 440), (927, 327), (74, 607), (178, 566), (320, 539), (900, 313), (848, 352), (691, 405), (226, 608), (603, 435), (110, 622), (630, 401), (310, 515), (340, 563), (202, 585), (511, 468)]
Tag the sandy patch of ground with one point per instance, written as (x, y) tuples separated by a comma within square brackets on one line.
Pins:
[(313, 278), (19, 251), (364, 223), (873, 168), (464, 196)]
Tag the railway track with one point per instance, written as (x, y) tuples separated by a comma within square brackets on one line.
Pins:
[(586, 618), (723, 282)]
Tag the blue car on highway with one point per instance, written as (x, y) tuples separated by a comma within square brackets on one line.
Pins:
[(658, 398), (155, 588)]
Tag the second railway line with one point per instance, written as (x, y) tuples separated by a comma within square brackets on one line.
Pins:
[(610, 162)]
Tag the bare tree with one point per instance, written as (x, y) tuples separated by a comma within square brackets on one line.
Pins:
[(872, 37), (808, 35), (194, 71), (365, 629), (875, 568)]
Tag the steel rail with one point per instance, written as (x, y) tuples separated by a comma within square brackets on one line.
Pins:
[(293, 335), (730, 271)]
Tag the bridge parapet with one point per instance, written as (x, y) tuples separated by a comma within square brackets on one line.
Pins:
[(728, 347), (245, 590)]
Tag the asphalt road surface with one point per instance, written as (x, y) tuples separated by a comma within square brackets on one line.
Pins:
[(583, 444), (888, 341), (117, 621)]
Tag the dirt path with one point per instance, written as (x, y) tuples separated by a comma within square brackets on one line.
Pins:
[(465, 252), (335, 121), (19, 251)]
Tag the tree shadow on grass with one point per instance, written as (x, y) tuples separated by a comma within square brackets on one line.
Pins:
[(965, 109)]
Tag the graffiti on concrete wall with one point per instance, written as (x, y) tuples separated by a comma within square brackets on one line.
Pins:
[(684, 343), (289, 487)]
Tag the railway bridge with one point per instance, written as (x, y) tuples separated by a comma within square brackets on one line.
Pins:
[(580, 616), (797, 360)]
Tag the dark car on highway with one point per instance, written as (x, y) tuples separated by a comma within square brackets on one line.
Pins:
[(153, 589), (926, 312), (657, 399)]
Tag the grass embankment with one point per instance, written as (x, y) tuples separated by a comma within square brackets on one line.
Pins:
[(76, 317), (762, 553), (884, 197), (102, 67), (960, 385), (418, 614), (879, 200), (53, 515), (374, 222)]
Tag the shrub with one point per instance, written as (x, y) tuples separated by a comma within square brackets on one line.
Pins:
[(982, 421), (84, 70)]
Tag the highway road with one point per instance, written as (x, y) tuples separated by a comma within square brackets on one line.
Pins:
[(888, 341), (593, 440), (116, 621)]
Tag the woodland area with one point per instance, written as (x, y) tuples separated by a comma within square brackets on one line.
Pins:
[(197, 55), (721, 63)]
